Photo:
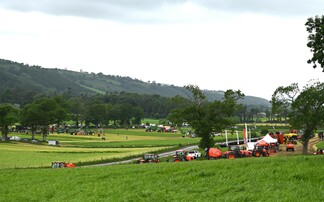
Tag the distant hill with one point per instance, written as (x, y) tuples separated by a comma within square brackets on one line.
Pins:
[(19, 83)]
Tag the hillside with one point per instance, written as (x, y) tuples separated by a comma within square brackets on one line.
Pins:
[(19, 83)]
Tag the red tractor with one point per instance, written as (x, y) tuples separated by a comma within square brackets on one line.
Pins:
[(149, 158), (182, 155)]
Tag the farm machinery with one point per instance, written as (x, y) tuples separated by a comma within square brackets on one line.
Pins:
[(149, 158), (182, 155), (232, 153), (290, 146), (61, 164), (260, 151)]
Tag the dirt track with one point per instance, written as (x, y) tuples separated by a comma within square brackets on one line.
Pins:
[(298, 148)]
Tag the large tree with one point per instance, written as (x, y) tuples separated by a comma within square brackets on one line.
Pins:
[(207, 117), (8, 116), (315, 28), (306, 107), (41, 113)]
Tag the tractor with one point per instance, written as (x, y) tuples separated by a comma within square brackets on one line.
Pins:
[(62, 164), (290, 146), (149, 158), (182, 155), (260, 151), (237, 152), (319, 151)]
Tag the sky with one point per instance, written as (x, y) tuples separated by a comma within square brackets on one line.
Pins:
[(253, 46)]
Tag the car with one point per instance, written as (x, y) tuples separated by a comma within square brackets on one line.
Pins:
[(15, 138), (194, 153)]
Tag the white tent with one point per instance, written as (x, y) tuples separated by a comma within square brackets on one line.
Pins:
[(250, 146), (268, 139)]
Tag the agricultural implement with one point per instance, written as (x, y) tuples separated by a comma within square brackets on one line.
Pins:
[(181, 155), (149, 158), (232, 153)]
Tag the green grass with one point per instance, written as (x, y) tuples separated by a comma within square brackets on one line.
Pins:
[(294, 178), (137, 143), (23, 155), (320, 144)]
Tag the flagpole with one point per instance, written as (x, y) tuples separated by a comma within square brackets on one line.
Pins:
[(226, 138)]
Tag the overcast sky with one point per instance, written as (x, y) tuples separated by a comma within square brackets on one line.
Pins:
[(250, 45)]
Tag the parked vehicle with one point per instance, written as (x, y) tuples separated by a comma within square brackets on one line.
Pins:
[(194, 153), (149, 158), (182, 155), (62, 164), (260, 151), (290, 146), (237, 152)]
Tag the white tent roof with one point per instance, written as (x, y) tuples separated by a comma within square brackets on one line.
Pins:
[(268, 139)]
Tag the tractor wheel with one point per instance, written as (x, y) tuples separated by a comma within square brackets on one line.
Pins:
[(266, 154), (257, 153), (177, 160), (231, 156)]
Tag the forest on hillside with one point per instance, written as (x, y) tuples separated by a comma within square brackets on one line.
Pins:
[(21, 83)]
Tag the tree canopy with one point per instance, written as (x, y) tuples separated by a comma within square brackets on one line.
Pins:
[(8, 116), (43, 112), (315, 28), (306, 107), (207, 117)]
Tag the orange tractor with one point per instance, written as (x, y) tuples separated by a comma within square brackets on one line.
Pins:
[(290, 146), (62, 164), (260, 151), (232, 153), (182, 155)]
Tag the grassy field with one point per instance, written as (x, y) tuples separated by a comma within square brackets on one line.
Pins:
[(22, 155), (277, 178), (295, 178), (119, 143), (87, 149)]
